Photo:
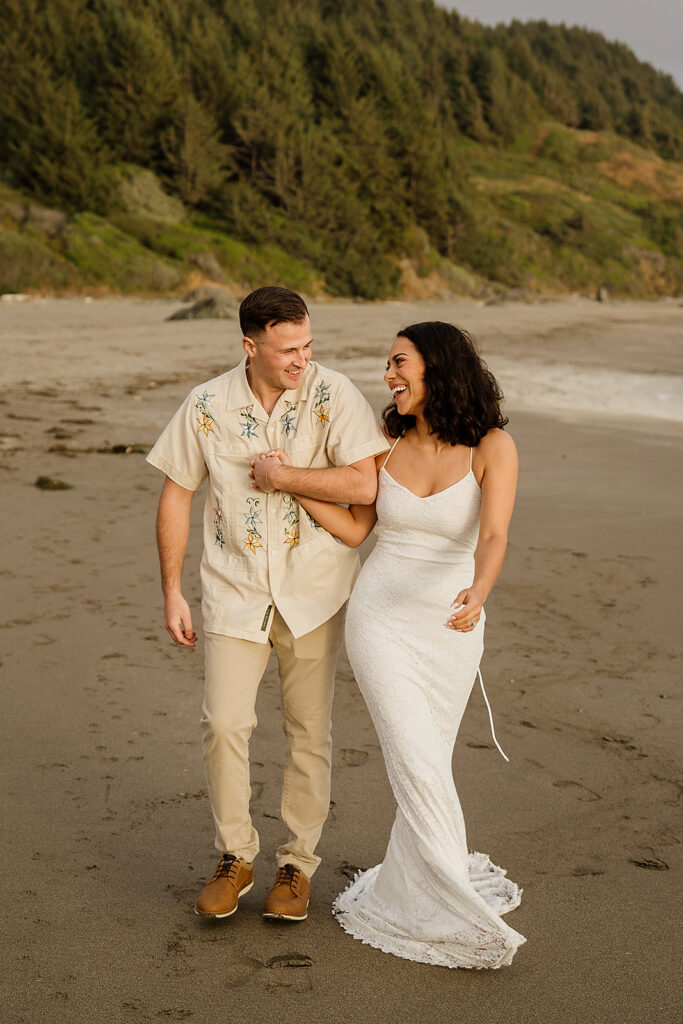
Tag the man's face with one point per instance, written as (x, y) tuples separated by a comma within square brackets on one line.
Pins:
[(278, 359)]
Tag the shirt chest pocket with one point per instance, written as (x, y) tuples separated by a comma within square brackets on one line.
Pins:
[(307, 450)]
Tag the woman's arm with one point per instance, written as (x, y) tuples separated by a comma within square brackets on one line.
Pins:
[(498, 453), (351, 525)]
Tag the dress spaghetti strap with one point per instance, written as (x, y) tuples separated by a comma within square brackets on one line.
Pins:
[(384, 464), (471, 450)]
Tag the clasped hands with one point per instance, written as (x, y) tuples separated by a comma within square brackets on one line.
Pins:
[(262, 470)]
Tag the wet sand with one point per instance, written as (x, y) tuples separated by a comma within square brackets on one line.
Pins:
[(107, 832)]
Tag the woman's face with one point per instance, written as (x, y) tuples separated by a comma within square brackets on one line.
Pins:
[(405, 377)]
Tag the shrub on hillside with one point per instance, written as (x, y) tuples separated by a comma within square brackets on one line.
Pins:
[(28, 262)]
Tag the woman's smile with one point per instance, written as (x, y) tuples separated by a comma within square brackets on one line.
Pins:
[(405, 377)]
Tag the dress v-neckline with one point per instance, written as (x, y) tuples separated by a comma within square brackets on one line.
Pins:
[(425, 497)]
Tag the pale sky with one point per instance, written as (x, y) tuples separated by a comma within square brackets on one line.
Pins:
[(653, 29)]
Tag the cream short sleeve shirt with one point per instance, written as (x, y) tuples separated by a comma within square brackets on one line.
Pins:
[(263, 550)]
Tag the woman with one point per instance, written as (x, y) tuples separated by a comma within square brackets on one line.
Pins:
[(414, 636)]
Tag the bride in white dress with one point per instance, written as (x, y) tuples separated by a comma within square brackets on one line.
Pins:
[(414, 636)]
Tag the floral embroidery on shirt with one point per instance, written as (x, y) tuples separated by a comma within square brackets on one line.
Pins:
[(201, 404), (249, 422), (291, 509), (321, 406), (218, 520), (290, 516), (252, 522), (287, 419), (251, 542)]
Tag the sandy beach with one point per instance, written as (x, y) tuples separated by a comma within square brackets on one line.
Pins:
[(107, 833)]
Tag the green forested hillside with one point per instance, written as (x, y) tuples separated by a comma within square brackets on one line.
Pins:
[(360, 146)]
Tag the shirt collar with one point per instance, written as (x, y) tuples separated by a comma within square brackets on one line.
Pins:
[(240, 395)]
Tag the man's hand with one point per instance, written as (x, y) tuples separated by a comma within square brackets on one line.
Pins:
[(261, 472), (178, 621)]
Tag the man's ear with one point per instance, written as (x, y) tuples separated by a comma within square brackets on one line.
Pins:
[(249, 347)]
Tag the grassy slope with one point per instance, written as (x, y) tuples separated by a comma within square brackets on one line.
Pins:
[(564, 211), (571, 210)]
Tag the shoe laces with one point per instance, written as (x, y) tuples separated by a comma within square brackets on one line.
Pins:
[(288, 875), (227, 867)]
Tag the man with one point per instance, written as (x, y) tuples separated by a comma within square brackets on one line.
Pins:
[(271, 577)]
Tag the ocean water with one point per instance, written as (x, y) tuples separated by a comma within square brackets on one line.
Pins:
[(536, 386)]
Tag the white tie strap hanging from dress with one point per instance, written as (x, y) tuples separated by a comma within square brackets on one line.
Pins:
[(493, 731)]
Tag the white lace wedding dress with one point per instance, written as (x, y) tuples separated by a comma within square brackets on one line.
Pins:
[(429, 900)]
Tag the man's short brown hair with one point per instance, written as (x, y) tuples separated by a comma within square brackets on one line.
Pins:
[(268, 306)]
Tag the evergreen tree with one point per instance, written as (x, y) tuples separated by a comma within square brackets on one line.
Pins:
[(332, 128)]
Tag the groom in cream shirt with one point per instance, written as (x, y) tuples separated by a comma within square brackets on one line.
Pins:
[(271, 577)]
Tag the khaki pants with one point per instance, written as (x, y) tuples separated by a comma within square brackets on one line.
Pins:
[(234, 669)]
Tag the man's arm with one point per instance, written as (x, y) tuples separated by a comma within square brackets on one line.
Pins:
[(173, 528), (354, 485)]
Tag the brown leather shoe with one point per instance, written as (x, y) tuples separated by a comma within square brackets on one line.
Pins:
[(232, 878), (288, 899)]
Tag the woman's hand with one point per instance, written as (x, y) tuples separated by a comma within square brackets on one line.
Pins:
[(467, 609), (277, 453), (260, 469)]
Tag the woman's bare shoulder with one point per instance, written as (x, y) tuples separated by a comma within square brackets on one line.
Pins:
[(496, 451), (497, 443)]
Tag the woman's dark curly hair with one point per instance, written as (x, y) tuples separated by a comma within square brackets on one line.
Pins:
[(464, 397)]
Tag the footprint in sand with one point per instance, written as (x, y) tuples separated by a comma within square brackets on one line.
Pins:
[(290, 960), (584, 870), (294, 982), (622, 741), (651, 863), (583, 793), (288, 970), (353, 757), (240, 972), (347, 870), (256, 790)]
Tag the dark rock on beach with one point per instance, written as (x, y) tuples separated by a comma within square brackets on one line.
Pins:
[(208, 302), (48, 483), (205, 309)]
